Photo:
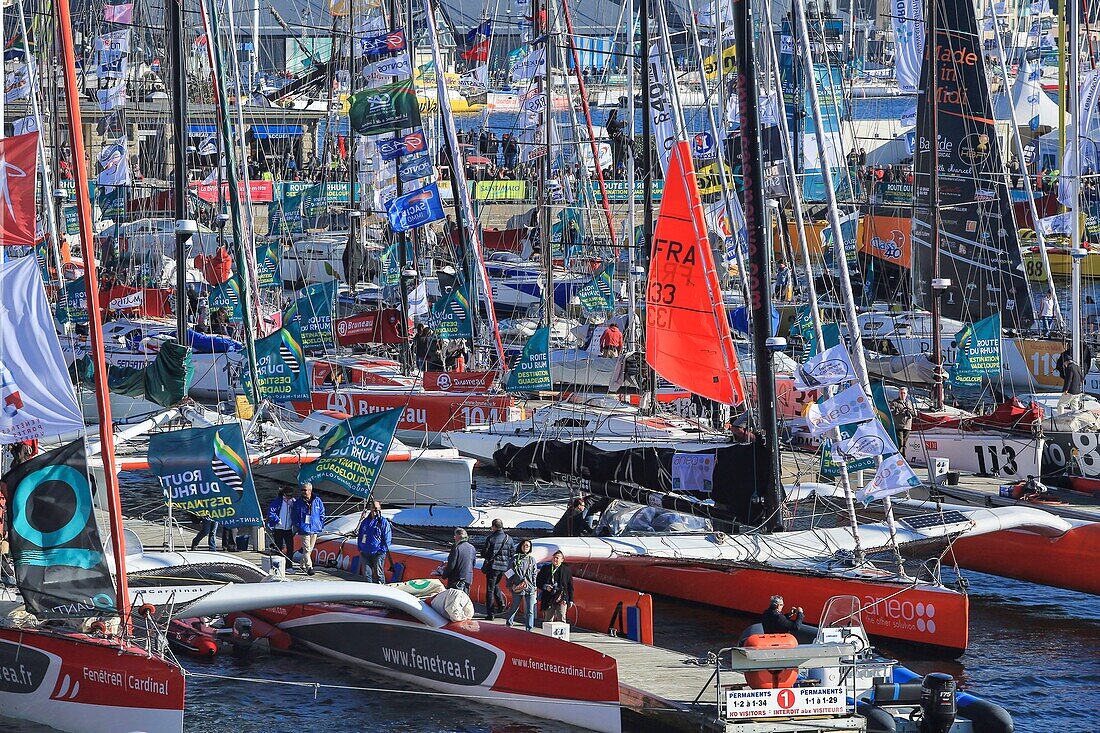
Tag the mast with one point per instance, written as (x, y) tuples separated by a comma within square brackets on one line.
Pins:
[(547, 84), (930, 45), (647, 172), (407, 362), (95, 320), (767, 444), (184, 227), (1072, 91)]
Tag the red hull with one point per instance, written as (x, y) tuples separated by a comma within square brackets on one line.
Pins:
[(936, 617), (1060, 562), (75, 682), (425, 412)]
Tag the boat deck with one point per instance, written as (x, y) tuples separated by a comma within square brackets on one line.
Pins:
[(657, 686)]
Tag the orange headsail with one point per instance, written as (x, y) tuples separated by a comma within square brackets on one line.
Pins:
[(688, 338)]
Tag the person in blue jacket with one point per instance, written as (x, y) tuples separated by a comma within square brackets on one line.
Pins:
[(375, 537), (280, 520), (309, 520)]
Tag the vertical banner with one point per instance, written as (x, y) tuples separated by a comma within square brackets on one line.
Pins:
[(267, 266), (313, 309), (205, 471), (74, 309), (60, 567), (661, 108), (532, 372), (598, 295), (908, 42), (18, 187), (451, 315), (280, 365), (226, 296), (352, 453), (979, 352)]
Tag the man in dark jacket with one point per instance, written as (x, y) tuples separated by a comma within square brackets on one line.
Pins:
[(555, 583), (573, 523), (375, 537), (309, 518), (1073, 381), (775, 621), (903, 412), (459, 570), (498, 552), (280, 520)]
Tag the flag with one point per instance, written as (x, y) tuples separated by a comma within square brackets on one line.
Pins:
[(415, 209), (208, 146), (387, 108), (531, 65), (281, 366), (122, 13), (484, 29), (60, 566), (74, 307), (353, 452), (869, 440), (831, 463), (478, 52), (909, 31), (383, 43), (18, 186), (36, 394), (111, 124), (227, 296), (398, 147), (418, 301), (451, 315), (391, 268), (112, 65), (979, 352), (23, 125), (881, 404), (475, 80), (598, 295), (312, 309), (17, 84), (206, 472), (1057, 224), (396, 66), (893, 476), (847, 406), (414, 168), (117, 41), (111, 97), (532, 372), (660, 107), (114, 164), (268, 274), (849, 227), (831, 366)]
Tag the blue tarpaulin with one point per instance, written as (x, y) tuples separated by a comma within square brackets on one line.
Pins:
[(739, 320)]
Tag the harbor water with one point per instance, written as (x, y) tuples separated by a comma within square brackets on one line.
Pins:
[(1033, 650)]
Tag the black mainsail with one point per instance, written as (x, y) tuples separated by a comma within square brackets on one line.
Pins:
[(978, 249)]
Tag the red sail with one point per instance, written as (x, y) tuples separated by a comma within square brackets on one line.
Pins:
[(688, 338), (18, 186)]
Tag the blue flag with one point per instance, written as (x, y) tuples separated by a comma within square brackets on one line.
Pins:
[(352, 452), (484, 29), (414, 167), (979, 352), (205, 471), (281, 366), (532, 372), (75, 307), (451, 315), (394, 148), (382, 44), (415, 209)]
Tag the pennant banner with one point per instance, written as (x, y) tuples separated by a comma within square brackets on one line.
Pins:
[(18, 186), (598, 296), (205, 472), (532, 372), (60, 567), (893, 476), (388, 108), (979, 352), (451, 315), (848, 406), (352, 453), (414, 168), (868, 441), (268, 274), (313, 309), (660, 108), (281, 366), (831, 366), (831, 463), (122, 13), (74, 309), (378, 45), (113, 164), (36, 395), (226, 297)]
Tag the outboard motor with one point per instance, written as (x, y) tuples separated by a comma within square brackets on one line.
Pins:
[(937, 703), (241, 637)]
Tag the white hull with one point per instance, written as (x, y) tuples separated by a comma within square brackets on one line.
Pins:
[(1009, 457)]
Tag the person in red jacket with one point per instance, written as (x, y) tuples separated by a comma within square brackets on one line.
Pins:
[(611, 343)]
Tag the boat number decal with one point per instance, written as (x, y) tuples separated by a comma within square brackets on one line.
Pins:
[(995, 467), (22, 669), (1077, 450)]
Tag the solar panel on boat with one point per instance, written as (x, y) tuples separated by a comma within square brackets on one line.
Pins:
[(927, 521)]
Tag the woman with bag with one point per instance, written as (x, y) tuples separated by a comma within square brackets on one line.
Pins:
[(522, 583)]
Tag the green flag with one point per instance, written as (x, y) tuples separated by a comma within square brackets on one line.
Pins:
[(451, 315), (75, 307), (281, 366), (598, 295), (205, 471), (882, 409), (267, 266), (979, 352), (227, 297), (532, 372), (387, 108), (312, 308), (391, 268), (352, 452)]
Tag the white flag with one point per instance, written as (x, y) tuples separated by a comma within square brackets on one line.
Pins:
[(845, 407), (36, 394), (17, 84), (908, 42), (868, 441), (418, 301), (533, 64), (831, 366), (1057, 224), (116, 41), (111, 97), (476, 80), (114, 164), (396, 66), (660, 107), (892, 477), (23, 125)]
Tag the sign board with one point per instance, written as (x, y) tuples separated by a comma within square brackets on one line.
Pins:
[(618, 191), (785, 702), (500, 190), (262, 192)]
